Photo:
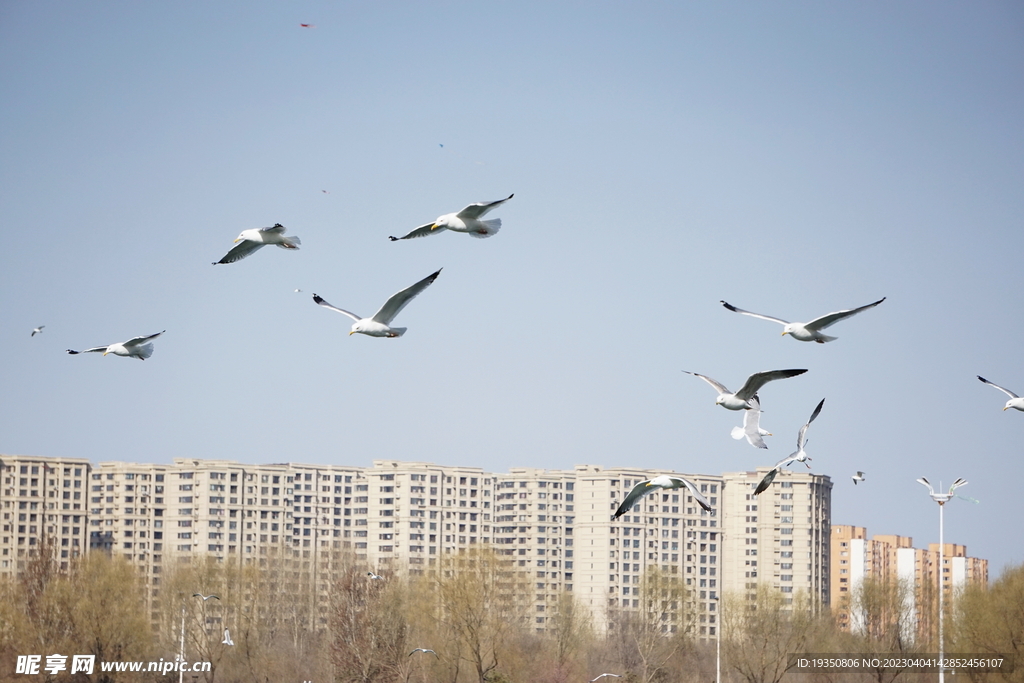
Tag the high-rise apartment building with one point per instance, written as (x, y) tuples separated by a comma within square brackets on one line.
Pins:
[(893, 559), (42, 505), (780, 537)]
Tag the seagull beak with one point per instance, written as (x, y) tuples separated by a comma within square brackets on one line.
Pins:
[(106, 352), (1005, 407), (433, 226), (784, 334), (237, 240), (351, 333)]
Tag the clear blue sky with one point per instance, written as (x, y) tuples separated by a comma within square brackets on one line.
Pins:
[(790, 158)]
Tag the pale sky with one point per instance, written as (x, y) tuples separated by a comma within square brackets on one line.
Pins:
[(790, 158)]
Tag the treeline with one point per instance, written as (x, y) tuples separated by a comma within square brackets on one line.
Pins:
[(331, 622)]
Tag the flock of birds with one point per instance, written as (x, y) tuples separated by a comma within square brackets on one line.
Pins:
[(470, 221), (746, 399)]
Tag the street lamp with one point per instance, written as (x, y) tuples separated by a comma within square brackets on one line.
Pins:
[(941, 499), (718, 642)]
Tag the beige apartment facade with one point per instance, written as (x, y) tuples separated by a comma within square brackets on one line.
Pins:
[(892, 558), (781, 537), (400, 517), (42, 504)]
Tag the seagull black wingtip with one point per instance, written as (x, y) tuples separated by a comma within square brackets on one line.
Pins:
[(393, 238)]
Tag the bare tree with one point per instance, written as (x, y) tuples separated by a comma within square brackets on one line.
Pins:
[(760, 635)]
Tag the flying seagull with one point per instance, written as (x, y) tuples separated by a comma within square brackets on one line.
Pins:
[(37, 330), (423, 650), (603, 675), (799, 456), (1015, 400), (257, 238), (741, 399), (205, 597), (664, 481), (379, 324), (374, 576), (858, 477), (751, 428), (467, 220), (136, 347), (227, 638), (808, 331)]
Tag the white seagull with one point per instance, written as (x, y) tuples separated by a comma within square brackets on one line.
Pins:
[(664, 481), (799, 456), (379, 324), (808, 331), (858, 477), (37, 330), (741, 399), (751, 428), (423, 650), (467, 220), (227, 638), (603, 675), (374, 576), (205, 597), (136, 347), (1015, 400), (257, 238)]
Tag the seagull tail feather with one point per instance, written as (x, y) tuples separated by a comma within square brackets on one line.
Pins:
[(490, 227)]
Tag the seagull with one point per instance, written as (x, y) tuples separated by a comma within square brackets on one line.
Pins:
[(375, 576), (37, 330), (467, 220), (664, 481), (136, 347), (752, 425), (257, 238), (858, 477), (799, 456), (227, 638), (603, 675), (808, 331), (741, 399), (1015, 400), (423, 650), (379, 324), (205, 597)]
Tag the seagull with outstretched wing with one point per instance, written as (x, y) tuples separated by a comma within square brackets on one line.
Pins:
[(136, 347), (741, 400), (799, 456), (751, 428), (379, 324), (467, 220), (665, 481), (257, 238), (810, 331), (1015, 400)]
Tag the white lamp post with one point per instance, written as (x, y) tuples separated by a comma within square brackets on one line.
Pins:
[(718, 642), (941, 499)]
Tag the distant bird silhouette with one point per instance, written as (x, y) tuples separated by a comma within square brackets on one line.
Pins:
[(205, 597), (424, 650), (858, 477), (227, 638), (37, 330), (603, 675), (374, 576)]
